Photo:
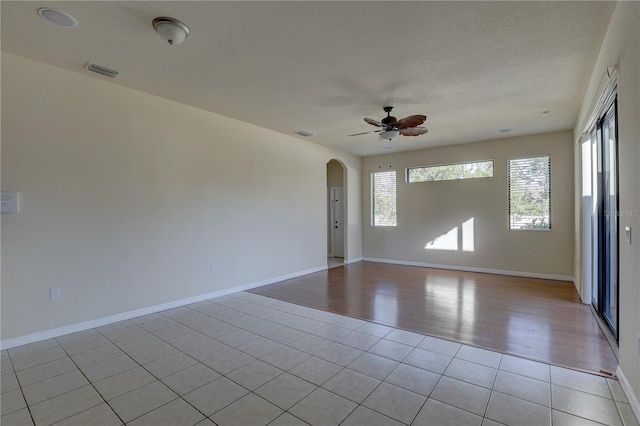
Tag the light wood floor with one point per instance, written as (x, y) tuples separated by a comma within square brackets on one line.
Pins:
[(538, 319)]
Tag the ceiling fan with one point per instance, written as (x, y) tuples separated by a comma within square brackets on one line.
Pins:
[(392, 127)]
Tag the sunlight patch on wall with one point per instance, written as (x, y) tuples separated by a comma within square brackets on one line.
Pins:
[(459, 236), (468, 239), (448, 241)]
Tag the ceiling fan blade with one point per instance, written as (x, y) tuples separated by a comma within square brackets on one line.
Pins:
[(373, 122), (366, 133), (410, 121), (413, 131)]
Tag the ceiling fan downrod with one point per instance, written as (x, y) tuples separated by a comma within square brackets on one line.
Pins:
[(388, 120)]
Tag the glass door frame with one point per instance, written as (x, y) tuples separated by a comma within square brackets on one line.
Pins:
[(605, 227)]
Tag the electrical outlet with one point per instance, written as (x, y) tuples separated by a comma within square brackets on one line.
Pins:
[(638, 336), (212, 268), (381, 245), (54, 294), (530, 254), (627, 234)]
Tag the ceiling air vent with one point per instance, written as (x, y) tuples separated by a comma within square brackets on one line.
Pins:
[(303, 133), (101, 70)]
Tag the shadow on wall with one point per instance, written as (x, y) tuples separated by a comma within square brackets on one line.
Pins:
[(458, 238)]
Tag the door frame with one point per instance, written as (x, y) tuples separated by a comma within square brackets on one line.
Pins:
[(332, 250), (600, 227), (331, 181), (608, 224)]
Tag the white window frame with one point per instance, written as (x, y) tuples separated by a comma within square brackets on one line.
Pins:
[(408, 171), (374, 221), (509, 198)]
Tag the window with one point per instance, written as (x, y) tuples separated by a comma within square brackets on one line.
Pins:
[(383, 198), (471, 170), (530, 193)]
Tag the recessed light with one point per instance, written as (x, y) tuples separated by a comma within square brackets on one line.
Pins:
[(303, 133), (505, 130), (545, 113), (58, 17)]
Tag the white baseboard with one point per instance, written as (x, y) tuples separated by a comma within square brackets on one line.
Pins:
[(355, 260), (73, 328), (629, 393), (473, 269)]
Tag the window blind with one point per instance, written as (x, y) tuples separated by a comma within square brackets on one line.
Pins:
[(530, 193), (383, 198)]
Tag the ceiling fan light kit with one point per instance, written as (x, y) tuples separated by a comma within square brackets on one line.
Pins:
[(389, 134), (171, 30), (392, 127)]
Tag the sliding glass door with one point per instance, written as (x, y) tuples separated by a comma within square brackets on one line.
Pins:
[(604, 216), (609, 264)]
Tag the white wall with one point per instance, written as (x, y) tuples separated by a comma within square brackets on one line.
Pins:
[(429, 209), (621, 47), (127, 198)]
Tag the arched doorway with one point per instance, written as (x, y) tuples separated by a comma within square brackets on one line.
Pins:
[(336, 213)]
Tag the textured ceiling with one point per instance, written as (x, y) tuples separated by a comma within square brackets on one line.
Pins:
[(473, 68)]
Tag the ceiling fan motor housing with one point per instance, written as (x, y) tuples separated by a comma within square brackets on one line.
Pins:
[(388, 120)]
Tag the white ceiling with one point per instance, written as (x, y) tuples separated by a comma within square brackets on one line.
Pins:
[(473, 68)]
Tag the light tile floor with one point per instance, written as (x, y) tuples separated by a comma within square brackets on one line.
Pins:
[(245, 359)]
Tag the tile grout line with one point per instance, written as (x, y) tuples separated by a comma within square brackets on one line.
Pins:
[(160, 379), (98, 392), (20, 388), (90, 382), (287, 345)]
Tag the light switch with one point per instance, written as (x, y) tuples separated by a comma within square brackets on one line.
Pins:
[(627, 234), (54, 294), (8, 202)]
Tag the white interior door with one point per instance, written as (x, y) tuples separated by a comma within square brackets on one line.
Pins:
[(337, 222)]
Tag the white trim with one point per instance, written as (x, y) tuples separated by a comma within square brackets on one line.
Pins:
[(73, 328), (473, 269), (628, 392), (606, 87), (329, 221), (407, 169), (355, 260), (578, 286), (332, 213)]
